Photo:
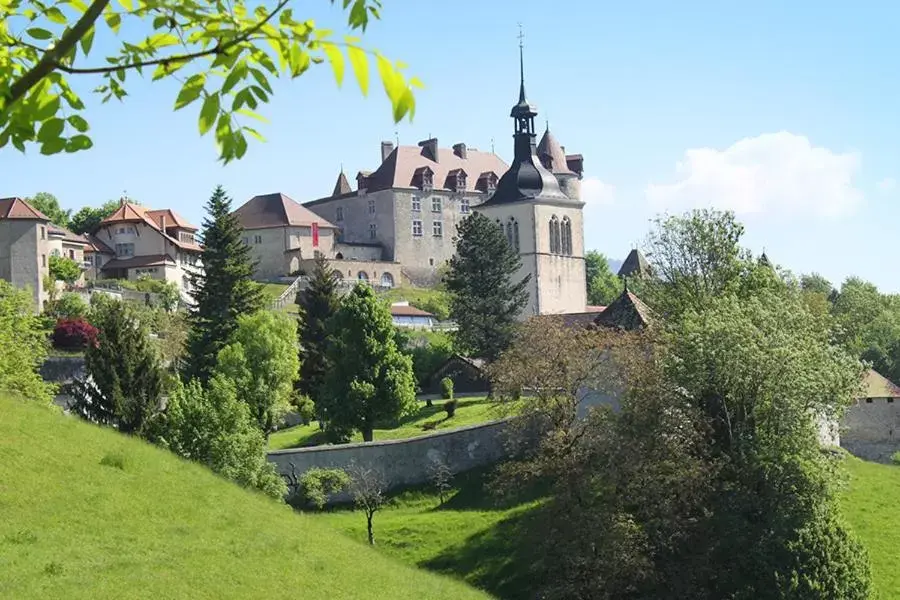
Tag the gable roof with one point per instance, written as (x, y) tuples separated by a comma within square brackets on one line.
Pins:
[(876, 385), (126, 213), (400, 167), (626, 312), (277, 210), (153, 260), (405, 310), (16, 208), (635, 264)]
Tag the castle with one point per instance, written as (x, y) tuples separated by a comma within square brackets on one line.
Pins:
[(397, 226)]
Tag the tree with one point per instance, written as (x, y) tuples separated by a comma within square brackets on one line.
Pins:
[(317, 304), (485, 301), (68, 306), (813, 282), (23, 346), (212, 427), (125, 381), (222, 55), (602, 285), (64, 269), (367, 488), (223, 291), (369, 379), (261, 360), (88, 218), (440, 474), (49, 205)]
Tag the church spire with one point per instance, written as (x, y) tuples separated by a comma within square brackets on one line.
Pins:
[(523, 112)]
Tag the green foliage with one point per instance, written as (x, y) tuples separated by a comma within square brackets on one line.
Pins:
[(484, 300), (429, 350), (369, 379), (447, 389), (305, 407), (316, 485), (262, 362), (224, 290), (224, 58), (602, 285), (88, 218), (169, 295), (214, 428), (437, 304), (815, 283), (182, 531), (895, 458), (23, 345), (64, 269), (316, 305), (68, 306), (125, 377), (48, 204)]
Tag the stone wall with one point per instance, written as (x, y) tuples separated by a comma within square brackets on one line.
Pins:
[(62, 369), (404, 462), (871, 429)]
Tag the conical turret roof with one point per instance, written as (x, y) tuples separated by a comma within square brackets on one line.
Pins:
[(551, 154)]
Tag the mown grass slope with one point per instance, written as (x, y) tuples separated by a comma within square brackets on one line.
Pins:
[(88, 513)]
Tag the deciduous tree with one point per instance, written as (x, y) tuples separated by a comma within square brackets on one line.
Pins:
[(223, 56), (64, 269), (48, 204), (602, 285), (88, 218), (317, 304), (23, 345), (369, 379), (485, 297)]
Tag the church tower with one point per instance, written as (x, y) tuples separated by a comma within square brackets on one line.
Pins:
[(538, 205)]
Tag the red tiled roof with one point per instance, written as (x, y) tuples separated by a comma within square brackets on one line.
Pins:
[(277, 210), (155, 260), (16, 208), (173, 219), (404, 310), (134, 213)]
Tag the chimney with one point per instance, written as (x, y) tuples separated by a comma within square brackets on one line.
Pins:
[(460, 150), (386, 149), (430, 148)]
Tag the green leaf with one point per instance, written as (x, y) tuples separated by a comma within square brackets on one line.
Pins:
[(337, 61), (79, 142), (113, 20), (87, 42), (236, 75), (299, 60), (53, 146), (249, 130), (72, 99), (47, 107), (209, 112), (78, 123), (190, 91), (260, 78), (127, 5), (51, 129), (249, 113), (38, 33), (56, 16), (360, 64)]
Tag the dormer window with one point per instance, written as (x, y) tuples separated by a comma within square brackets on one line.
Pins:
[(456, 180), (487, 182), (423, 178)]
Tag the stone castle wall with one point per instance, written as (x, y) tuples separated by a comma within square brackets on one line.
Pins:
[(870, 429)]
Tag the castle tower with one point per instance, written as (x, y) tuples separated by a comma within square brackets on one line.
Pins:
[(540, 212)]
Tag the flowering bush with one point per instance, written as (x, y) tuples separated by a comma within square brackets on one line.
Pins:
[(74, 334)]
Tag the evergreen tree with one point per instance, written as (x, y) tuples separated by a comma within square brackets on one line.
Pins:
[(368, 379), (125, 376), (224, 290), (484, 298), (317, 304)]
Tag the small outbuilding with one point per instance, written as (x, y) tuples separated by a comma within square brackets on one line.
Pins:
[(467, 374)]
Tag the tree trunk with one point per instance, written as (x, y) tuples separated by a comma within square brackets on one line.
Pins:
[(369, 526), (368, 434)]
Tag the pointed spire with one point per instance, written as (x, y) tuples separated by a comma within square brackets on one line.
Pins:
[(341, 186), (521, 66)]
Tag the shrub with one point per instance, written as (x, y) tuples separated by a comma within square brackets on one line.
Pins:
[(450, 407), (895, 458), (317, 484), (447, 388), (306, 408), (69, 306), (74, 334), (115, 460), (64, 269)]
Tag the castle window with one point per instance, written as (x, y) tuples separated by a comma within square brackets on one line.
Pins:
[(54, 252), (512, 233), (567, 236), (436, 204), (554, 236), (464, 205), (373, 231), (437, 228), (339, 214), (43, 233), (427, 179), (362, 276), (371, 206), (461, 182), (417, 228), (417, 203), (257, 239)]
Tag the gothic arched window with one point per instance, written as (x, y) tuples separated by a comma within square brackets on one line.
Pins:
[(554, 235), (512, 233), (567, 236), (509, 231)]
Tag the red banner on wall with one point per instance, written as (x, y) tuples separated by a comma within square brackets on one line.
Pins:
[(315, 234)]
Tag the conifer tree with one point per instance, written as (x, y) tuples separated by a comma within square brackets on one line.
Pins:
[(317, 303), (224, 290), (125, 375), (368, 379), (485, 299)]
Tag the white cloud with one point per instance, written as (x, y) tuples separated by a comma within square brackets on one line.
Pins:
[(773, 173), (887, 185), (595, 192)]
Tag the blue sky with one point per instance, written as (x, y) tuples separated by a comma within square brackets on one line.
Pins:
[(784, 111)]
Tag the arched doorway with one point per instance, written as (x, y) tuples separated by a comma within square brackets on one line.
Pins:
[(362, 276), (387, 280)]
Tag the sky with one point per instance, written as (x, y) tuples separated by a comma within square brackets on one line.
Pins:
[(785, 112)]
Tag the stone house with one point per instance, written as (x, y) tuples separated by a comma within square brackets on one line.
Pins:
[(25, 247), (871, 426)]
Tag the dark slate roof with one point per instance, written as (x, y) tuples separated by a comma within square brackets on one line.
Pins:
[(16, 208), (277, 210), (341, 186), (552, 155), (626, 312), (635, 265), (155, 260)]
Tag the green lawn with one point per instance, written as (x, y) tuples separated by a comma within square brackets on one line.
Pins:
[(469, 411), (273, 291), (89, 513)]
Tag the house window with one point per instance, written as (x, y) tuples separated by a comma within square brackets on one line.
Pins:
[(566, 236), (124, 249), (437, 228), (43, 260), (339, 213), (257, 239), (464, 205), (431, 262), (72, 254), (43, 233), (416, 203), (436, 204), (417, 228), (512, 233), (54, 252), (371, 206), (246, 241), (373, 231)]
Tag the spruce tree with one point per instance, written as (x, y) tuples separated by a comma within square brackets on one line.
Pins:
[(223, 291), (485, 300), (317, 303), (126, 378)]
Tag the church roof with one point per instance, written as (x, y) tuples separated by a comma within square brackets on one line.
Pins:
[(635, 265), (341, 186), (551, 154), (277, 210), (16, 208), (626, 312)]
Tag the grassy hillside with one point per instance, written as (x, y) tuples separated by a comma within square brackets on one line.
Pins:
[(88, 513)]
